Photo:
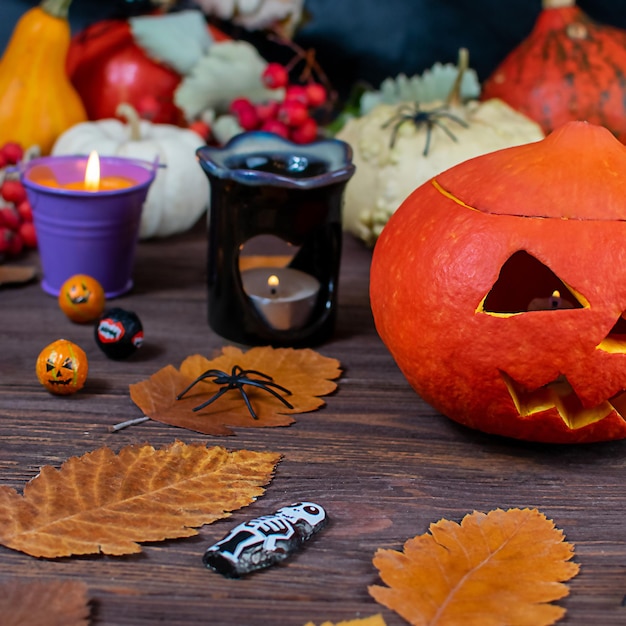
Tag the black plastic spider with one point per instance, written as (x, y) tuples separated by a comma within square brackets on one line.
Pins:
[(413, 113), (236, 380)]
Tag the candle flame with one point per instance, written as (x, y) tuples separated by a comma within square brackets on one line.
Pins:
[(92, 173), (272, 283)]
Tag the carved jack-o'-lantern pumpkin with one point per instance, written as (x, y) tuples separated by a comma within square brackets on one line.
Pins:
[(62, 367), (499, 287), (82, 298)]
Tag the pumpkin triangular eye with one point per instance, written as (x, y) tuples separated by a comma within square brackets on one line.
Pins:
[(615, 341), (526, 284)]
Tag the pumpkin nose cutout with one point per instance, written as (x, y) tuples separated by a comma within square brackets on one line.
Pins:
[(615, 341), (526, 284)]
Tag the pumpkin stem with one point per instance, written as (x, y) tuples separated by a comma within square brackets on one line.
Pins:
[(454, 97), (129, 114), (56, 8), (557, 4)]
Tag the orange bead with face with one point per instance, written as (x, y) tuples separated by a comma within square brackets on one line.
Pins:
[(62, 367), (82, 298)]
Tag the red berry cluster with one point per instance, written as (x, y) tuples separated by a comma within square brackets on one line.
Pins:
[(200, 127), (16, 216), (290, 118)]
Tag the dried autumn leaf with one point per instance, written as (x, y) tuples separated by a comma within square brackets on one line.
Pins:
[(36, 602), (305, 373), (107, 502), (16, 274), (499, 568), (374, 620)]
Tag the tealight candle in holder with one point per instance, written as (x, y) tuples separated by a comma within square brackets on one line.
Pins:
[(284, 297), (275, 237), (87, 214)]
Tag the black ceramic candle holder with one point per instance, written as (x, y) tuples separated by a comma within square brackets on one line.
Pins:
[(267, 189)]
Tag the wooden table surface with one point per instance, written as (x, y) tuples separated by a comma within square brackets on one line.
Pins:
[(383, 463)]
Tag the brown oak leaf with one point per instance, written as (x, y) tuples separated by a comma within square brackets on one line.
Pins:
[(107, 502), (44, 603), (503, 567), (374, 620), (305, 373)]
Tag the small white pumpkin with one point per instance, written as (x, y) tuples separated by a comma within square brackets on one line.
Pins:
[(395, 154), (179, 194)]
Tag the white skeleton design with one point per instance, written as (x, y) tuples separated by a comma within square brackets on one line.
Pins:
[(263, 533)]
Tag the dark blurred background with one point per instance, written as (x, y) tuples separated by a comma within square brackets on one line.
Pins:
[(368, 40)]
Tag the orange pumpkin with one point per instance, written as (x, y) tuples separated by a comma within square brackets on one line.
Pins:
[(82, 298), (569, 68), (62, 367), (499, 287)]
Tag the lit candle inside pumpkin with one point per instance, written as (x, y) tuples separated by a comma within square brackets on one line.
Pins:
[(555, 301), (285, 297)]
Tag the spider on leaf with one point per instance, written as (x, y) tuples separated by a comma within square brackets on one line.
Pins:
[(413, 113), (236, 380)]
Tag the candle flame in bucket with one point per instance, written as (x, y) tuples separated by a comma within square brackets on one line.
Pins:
[(92, 172)]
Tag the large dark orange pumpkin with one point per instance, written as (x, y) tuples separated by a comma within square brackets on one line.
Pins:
[(463, 283), (569, 68)]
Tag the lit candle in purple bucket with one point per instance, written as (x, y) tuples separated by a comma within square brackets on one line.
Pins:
[(87, 224)]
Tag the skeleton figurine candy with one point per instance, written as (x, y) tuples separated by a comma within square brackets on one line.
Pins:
[(266, 540)]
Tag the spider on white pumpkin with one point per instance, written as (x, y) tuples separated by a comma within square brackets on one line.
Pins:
[(413, 113)]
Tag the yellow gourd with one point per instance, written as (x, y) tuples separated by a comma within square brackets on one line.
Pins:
[(37, 100)]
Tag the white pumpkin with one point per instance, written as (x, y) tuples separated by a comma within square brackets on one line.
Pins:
[(179, 194), (389, 150), (386, 175)]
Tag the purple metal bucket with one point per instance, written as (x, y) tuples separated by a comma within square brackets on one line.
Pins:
[(83, 232)]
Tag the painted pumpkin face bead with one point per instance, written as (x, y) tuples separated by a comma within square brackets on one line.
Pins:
[(62, 367), (82, 298), (119, 333)]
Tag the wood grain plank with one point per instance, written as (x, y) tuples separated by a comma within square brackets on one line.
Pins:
[(383, 463)]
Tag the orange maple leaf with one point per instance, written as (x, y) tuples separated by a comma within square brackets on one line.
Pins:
[(107, 502), (36, 602), (305, 373), (500, 568)]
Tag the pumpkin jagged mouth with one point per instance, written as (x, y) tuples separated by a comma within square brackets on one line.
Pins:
[(560, 395)]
